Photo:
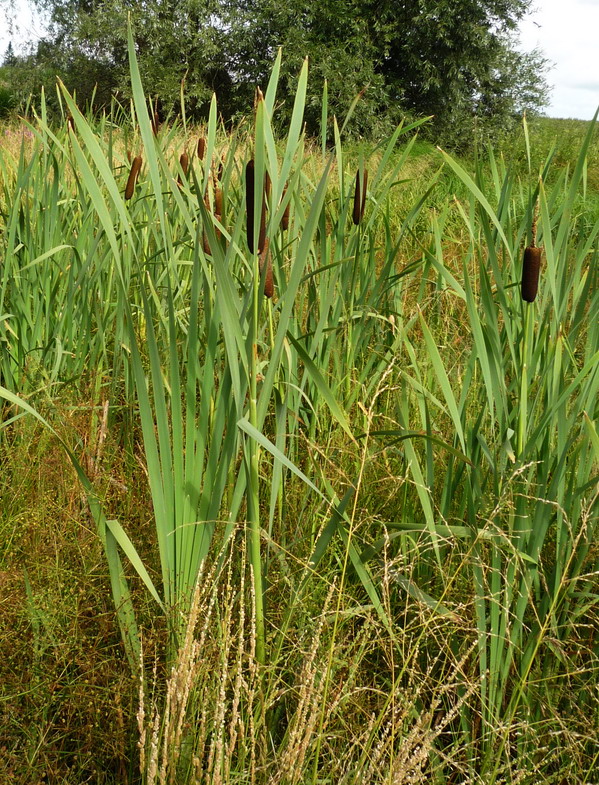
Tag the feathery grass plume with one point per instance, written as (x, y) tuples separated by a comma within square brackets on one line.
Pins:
[(135, 167), (530, 273), (265, 259), (201, 148), (360, 197)]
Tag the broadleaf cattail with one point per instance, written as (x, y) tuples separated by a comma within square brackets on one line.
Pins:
[(285, 218), (184, 164), (265, 259), (134, 171), (250, 179), (262, 235), (220, 170), (249, 203), (360, 197), (531, 268), (218, 208), (218, 203), (155, 123), (201, 148), (364, 187)]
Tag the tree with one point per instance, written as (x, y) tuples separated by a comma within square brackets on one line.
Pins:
[(86, 46), (453, 59), (10, 59)]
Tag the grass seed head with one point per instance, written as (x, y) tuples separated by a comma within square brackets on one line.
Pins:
[(530, 273)]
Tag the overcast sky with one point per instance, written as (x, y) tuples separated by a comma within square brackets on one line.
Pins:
[(566, 30)]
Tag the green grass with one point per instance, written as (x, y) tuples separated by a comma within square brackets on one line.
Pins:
[(347, 534)]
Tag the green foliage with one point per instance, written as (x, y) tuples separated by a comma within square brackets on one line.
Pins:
[(456, 61), (385, 476)]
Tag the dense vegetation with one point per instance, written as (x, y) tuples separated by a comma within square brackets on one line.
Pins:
[(344, 533), (455, 61)]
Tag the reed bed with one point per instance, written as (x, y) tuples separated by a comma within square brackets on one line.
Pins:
[(371, 462)]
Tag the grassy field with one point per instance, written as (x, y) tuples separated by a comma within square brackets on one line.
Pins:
[(296, 487)]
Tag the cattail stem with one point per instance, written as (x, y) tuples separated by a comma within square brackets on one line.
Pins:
[(254, 475)]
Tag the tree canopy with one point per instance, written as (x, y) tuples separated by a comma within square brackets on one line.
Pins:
[(453, 59)]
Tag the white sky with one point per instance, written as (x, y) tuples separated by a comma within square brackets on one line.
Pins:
[(566, 30), (568, 33)]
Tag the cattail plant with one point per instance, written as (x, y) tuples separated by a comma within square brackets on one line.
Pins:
[(201, 148), (184, 164), (250, 210), (360, 197), (221, 168), (530, 273), (155, 122), (285, 218), (265, 260), (133, 173)]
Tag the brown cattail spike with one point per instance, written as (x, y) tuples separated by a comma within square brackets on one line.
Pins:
[(221, 168), (250, 179), (360, 197), (262, 235), (135, 167), (201, 148), (285, 218), (184, 164), (249, 203), (218, 203), (265, 259), (155, 123), (530, 273)]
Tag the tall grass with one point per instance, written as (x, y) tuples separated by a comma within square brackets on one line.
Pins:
[(391, 441)]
